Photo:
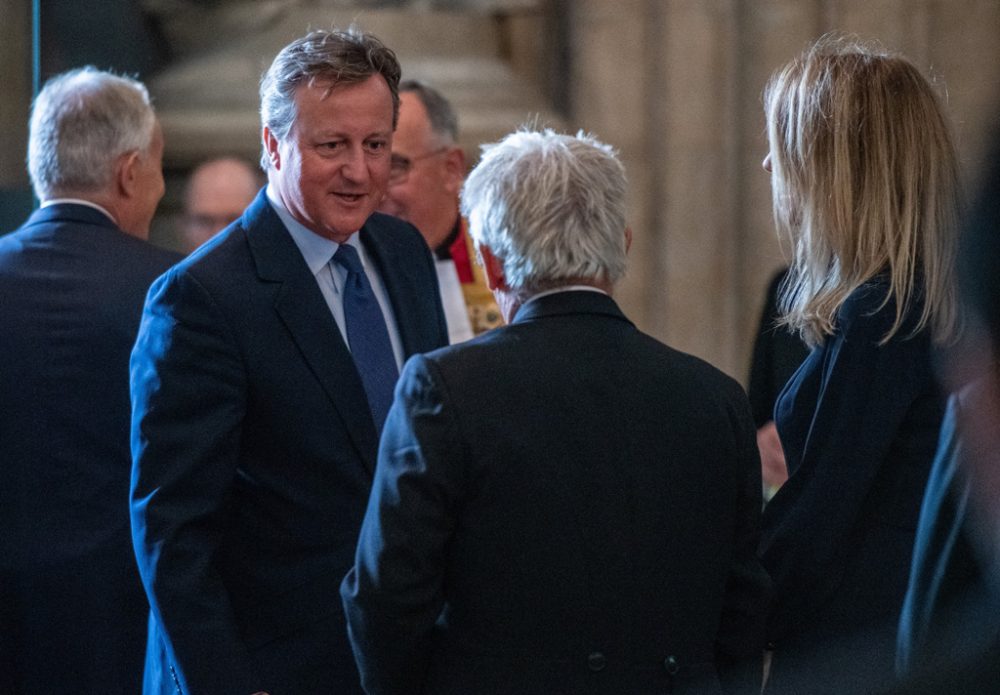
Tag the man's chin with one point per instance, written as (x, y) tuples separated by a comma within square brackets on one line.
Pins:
[(341, 228)]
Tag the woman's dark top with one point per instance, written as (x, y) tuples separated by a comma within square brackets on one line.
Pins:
[(859, 425)]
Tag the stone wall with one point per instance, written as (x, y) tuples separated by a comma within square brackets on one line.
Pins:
[(676, 85), (15, 75)]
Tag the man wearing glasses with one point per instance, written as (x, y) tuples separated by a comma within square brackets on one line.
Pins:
[(426, 175)]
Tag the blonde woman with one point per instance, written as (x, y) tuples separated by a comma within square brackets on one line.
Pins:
[(865, 187)]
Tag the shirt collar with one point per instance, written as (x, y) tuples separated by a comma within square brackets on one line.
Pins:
[(79, 201), (566, 288), (316, 250)]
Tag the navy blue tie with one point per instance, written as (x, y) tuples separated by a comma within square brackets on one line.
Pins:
[(367, 336)]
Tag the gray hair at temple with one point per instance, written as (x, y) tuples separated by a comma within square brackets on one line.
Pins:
[(81, 122), (550, 207), (440, 113), (328, 58)]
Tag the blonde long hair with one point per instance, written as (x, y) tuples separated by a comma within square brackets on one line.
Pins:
[(865, 181)]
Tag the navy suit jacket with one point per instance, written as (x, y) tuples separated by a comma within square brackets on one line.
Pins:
[(254, 450), (859, 423), (72, 609), (562, 505)]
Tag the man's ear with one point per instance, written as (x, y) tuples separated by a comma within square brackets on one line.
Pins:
[(127, 174), (493, 267), (271, 147), (454, 166), (628, 238)]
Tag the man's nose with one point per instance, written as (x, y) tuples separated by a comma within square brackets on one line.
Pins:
[(355, 164)]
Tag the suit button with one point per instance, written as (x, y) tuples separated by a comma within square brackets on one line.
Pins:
[(596, 662), (671, 666)]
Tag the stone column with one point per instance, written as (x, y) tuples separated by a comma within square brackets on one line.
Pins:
[(658, 80), (610, 97), (698, 131), (15, 75)]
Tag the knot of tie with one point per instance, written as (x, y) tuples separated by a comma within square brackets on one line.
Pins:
[(348, 257)]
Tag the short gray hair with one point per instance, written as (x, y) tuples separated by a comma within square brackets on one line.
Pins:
[(81, 122), (440, 113), (550, 207), (329, 56)]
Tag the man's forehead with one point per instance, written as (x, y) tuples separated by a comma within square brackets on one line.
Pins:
[(414, 128), (324, 100), (413, 111), (325, 86)]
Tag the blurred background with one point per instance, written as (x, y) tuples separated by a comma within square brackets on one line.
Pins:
[(674, 85)]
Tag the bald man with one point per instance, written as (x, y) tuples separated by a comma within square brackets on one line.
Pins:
[(216, 194)]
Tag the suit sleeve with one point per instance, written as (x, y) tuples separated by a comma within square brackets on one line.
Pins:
[(939, 536), (741, 635), (394, 594), (188, 399)]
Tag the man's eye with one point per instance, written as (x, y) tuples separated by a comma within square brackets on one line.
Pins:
[(376, 145)]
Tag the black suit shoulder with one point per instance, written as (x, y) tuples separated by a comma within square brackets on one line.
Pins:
[(612, 336), (224, 253), (99, 244), (703, 374)]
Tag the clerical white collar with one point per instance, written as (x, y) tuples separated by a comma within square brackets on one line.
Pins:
[(78, 201)]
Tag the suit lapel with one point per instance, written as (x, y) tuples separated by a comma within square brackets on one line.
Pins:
[(301, 307)]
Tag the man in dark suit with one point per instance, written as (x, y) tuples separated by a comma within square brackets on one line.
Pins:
[(561, 505), (72, 283), (263, 369)]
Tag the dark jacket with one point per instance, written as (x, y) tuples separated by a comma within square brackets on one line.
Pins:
[(562, 505), (254, 449), (859, 423), (949, 612)]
